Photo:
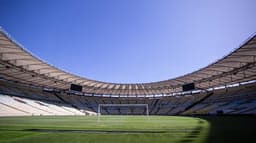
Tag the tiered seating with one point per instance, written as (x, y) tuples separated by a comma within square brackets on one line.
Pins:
[(13, 102), (6, 110), (16, 89), (22, 100), (237, 100), (11, 105)]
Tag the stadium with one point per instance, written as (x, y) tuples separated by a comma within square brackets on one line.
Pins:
[(42, 103)]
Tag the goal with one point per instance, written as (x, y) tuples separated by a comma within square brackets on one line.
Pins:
[(122, 105)]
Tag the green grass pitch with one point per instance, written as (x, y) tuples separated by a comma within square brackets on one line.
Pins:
[(109, 129)]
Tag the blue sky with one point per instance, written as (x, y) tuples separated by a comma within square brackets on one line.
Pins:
[(129, 41)]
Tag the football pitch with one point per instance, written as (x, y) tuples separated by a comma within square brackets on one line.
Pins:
[(108, 129), (127, 129)]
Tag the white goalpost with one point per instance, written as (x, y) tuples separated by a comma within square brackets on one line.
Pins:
[(122, 105)]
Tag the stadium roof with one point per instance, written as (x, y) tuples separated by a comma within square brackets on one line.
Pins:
[(17, 64)]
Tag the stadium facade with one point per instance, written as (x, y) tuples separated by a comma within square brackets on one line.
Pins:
[(29, 85)]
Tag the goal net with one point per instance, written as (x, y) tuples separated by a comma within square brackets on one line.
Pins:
[(144, 106)]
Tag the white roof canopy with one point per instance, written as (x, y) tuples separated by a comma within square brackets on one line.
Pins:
[(18, 64)]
